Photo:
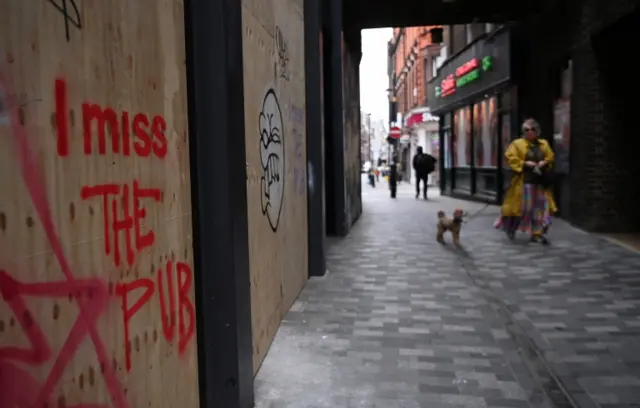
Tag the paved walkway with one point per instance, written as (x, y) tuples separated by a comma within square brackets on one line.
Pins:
[(402, 322)]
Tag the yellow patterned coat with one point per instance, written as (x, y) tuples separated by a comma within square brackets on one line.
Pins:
[(515, 154)]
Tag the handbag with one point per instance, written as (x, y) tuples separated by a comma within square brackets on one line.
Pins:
[(546, 174), (547, 177)]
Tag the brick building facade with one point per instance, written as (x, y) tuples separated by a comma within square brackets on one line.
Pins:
[(600, 192), (600, 189), (413, 58), (412, 54), (570, 56)]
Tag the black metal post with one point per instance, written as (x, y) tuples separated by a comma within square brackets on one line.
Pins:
[(315, 139), (369, 153), (393, 167), (334, 124), (443, 150), (213, 30)]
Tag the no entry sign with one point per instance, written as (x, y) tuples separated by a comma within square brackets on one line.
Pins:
[(395, 132)]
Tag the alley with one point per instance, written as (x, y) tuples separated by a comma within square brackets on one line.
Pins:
[(400, 321)]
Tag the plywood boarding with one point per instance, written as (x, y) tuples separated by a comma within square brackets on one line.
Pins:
[(273, 46), (351, 117), (85, 318)]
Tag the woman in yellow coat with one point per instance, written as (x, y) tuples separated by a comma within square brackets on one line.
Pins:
[(528, 202)]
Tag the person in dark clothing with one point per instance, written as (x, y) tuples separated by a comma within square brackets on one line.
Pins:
[(423, 164)]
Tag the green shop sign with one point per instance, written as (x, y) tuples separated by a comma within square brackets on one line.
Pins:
[(464, 74)]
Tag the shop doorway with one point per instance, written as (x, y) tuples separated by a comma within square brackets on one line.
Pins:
[(620, 90)]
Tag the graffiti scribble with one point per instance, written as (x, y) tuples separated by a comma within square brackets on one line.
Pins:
[(272, 158), (283, 55), (63, 8)]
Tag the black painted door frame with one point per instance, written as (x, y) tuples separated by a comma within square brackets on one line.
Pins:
[(316, 223), (333, 80), (213, 31)]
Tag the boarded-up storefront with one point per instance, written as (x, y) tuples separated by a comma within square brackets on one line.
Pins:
[(95, 212), (274, 89), (98, 292)]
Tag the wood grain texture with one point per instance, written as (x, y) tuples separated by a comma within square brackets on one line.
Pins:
[(128, 56), (273, 47)]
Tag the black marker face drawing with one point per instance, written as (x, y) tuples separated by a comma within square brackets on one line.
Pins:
[(272, 158)]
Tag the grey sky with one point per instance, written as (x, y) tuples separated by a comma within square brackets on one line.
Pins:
[(373, 73)]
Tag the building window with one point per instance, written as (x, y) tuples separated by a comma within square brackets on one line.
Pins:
[(434, 67), (462, 138), (415, 84), (426, 76), (414, 94)]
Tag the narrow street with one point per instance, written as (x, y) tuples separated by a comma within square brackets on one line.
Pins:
[(401, 321)]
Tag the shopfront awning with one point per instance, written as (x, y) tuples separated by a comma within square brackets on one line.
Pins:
[(418, 118)]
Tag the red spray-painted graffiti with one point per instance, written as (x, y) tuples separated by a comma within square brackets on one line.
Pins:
[(186, 330), (95, 294), (87, 313), (19, 389), (114, 225), (149, 134), (17, 386)]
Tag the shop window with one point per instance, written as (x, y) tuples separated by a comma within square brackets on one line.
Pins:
[(485, 129), (562, 123), (492, 136), (478, 113), (462, 138), (506, 136), (446, 150), (562, 134), (434, 142), (454, 141), (445, 179), (506, 141)]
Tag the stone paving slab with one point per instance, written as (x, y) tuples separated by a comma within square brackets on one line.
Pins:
[(401, 321)]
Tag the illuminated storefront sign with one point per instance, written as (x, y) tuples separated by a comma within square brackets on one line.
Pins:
[(464, 74), (447, 87)]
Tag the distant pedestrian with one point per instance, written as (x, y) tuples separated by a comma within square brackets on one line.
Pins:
[(528, 202), (423, 164)]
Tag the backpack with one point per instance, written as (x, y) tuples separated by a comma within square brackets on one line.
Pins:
[(425, 163), (431, 164)]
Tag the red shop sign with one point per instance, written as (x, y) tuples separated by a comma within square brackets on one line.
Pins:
[(448, 85), (467, 67)]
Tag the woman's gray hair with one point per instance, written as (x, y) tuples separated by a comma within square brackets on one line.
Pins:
[(531, 122)]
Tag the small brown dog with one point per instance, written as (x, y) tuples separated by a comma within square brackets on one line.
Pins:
[(450, 224)]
